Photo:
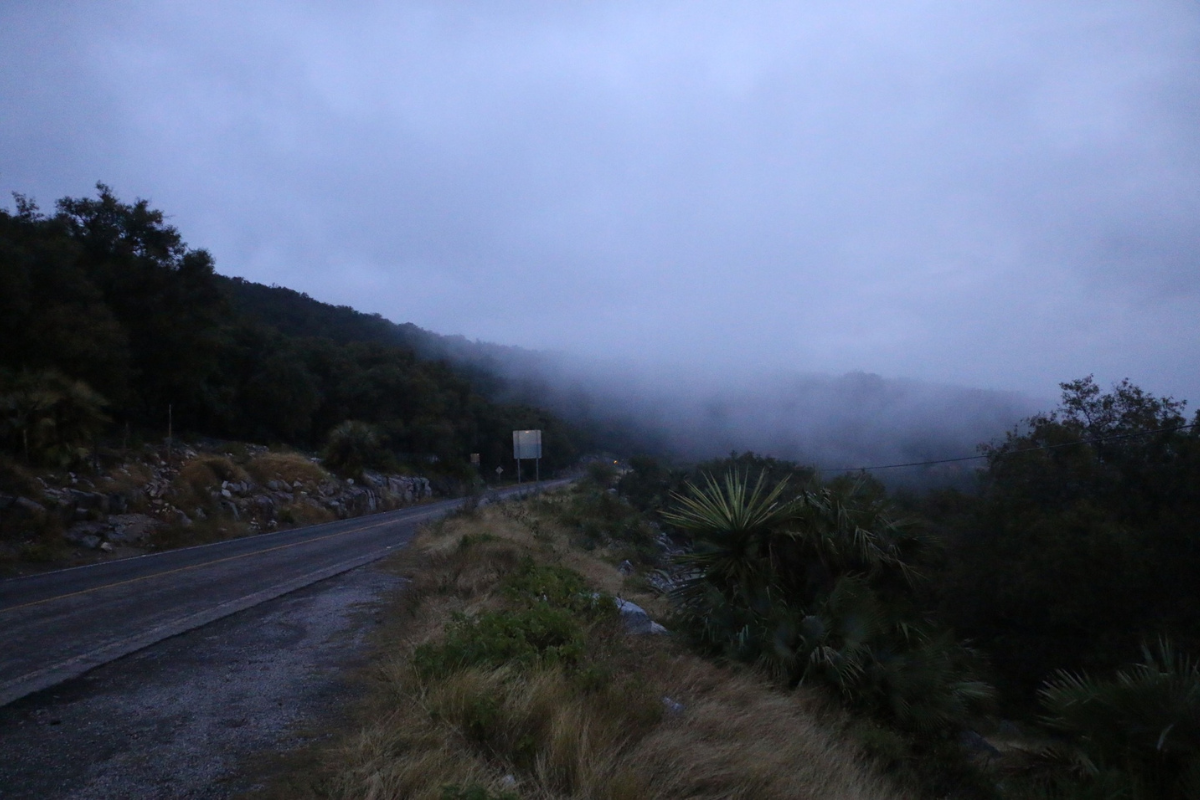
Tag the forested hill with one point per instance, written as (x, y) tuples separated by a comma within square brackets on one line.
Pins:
[(296, 314), (108, 319), (502, 373)]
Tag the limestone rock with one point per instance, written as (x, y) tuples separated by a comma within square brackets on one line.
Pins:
[(132, 528), (636, 620)]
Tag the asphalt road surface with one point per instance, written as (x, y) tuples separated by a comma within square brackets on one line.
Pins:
[(58, 625)]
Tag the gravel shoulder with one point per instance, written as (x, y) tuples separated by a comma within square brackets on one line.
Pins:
[(182, 718)]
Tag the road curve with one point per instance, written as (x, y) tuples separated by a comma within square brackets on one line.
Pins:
[(58, 625)]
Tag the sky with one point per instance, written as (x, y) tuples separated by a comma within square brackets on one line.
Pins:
[(993, 194)]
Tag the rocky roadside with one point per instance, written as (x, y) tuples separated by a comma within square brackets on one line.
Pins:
[(149, 501)]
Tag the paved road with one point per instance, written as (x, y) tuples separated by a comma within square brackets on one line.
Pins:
[(58, 625)]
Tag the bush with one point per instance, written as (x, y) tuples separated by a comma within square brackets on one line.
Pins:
[(287, 467), (1137, 733), (535, 635), (353, 447)]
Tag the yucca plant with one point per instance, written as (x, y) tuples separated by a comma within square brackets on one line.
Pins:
[(1139, 730), (814, 588), (731, 569)]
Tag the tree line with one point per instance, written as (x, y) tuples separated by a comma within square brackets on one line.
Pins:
[(108, 321)]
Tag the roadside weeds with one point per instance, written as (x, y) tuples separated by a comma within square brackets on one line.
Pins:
[(502, 670)]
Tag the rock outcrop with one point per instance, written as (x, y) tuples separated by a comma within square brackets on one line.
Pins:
[(140, 498)]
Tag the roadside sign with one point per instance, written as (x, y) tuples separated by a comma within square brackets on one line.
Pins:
[(475, 459), (527, 444), (499, 471)]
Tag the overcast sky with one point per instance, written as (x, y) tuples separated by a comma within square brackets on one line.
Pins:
[(994, 194)]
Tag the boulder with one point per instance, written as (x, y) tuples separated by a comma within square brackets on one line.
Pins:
[(132, 528), (636, 620), (264, 506), (87, 500), (24, 508), (86, 534)]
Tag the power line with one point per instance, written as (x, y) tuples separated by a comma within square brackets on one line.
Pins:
[(1010, 452)]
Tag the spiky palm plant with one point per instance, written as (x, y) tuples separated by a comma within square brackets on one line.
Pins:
[(848, 531), (728, 579), (808, 588), (1140, 729)]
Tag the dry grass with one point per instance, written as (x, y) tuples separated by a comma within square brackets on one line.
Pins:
[(296, 515), (599, 729), (201, 476), (288, 467)]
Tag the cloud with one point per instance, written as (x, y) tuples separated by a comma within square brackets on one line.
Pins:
[(993, 194)]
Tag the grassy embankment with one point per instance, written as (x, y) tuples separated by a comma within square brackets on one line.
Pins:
[(504, 671)]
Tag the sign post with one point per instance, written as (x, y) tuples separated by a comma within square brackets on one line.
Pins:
[(528, 444)]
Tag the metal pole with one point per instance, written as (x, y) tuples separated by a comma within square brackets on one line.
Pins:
[(518, 472)]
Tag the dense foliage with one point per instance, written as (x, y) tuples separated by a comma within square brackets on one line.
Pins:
[(105, 313), (1084, 541), (1080, 546)]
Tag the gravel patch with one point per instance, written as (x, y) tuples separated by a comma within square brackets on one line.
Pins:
[(178, 719)]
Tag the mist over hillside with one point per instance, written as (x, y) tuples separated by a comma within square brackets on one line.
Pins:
[(853, 420)]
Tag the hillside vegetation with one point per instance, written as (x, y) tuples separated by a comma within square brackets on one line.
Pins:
[(110, 323), (1067, 581)]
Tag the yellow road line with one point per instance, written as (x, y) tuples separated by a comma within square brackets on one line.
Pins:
[(211, 563)]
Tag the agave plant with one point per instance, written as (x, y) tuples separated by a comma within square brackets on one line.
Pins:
[(1140, 729), (734, 528)]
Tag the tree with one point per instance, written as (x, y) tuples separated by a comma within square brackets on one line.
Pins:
[(1084, 540), (52, 417)]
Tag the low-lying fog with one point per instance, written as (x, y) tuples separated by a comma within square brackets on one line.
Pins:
[(833, 422)]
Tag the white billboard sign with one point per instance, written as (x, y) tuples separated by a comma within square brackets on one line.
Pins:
[(527, 444)]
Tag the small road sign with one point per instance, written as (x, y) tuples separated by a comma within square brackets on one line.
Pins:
[(499, 471)]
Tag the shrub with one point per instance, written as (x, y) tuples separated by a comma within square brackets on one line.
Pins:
[(555, 586), (538, 634), (287, 467), (818, 589), (1137, 733), (354, 446)]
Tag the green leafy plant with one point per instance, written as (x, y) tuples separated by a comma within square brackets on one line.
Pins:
[(818, 588), (352, 447), (1139, 730), (538, 634)]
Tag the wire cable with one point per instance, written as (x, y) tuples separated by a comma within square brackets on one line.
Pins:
[(1010, 452)]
